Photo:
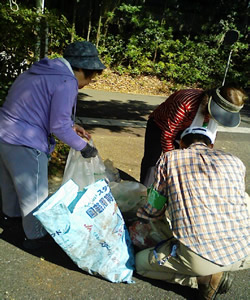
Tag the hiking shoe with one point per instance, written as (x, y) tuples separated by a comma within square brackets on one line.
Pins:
[(219, 283), (36, 244)]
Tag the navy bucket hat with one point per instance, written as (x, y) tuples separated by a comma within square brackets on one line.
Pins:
[(83, 55)]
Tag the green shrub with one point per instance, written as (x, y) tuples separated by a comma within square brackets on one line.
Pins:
[(19, 35), (136, 43)]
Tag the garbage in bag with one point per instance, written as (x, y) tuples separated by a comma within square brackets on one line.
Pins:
[(146, 234), (129, 195), (140, 235), (89, 227)]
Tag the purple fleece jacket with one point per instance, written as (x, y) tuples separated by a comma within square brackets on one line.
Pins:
[(40, 103)]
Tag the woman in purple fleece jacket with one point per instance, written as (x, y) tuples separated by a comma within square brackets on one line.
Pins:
[(39, 104)]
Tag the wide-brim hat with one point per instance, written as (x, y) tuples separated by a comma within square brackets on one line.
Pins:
[(83, 55), (199, 130), (224, 112)]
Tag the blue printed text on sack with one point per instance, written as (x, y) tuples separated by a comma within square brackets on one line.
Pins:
[(99, 207)]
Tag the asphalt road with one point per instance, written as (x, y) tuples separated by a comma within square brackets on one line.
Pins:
[(117, 124)]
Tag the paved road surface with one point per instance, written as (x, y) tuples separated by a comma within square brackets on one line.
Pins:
[(50, 274)]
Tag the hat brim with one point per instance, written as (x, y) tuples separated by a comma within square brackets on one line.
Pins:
[(90, 63), (222, 116)]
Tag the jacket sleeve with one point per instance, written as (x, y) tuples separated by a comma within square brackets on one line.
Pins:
[(165, 117), (62, 103), (175, 124)]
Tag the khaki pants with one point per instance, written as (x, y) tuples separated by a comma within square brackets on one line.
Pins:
[(182, 269)]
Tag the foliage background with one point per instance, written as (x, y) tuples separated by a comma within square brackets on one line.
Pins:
[(179, 41)]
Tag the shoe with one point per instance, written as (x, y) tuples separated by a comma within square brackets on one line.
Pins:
[(36, 244), (219, 283), (8, 222)]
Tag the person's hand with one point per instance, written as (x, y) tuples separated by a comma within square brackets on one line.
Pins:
[(141, 213), (81, 132), (149, 213), (89, 151)]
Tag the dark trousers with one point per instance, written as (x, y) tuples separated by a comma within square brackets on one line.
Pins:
[(152, 148)]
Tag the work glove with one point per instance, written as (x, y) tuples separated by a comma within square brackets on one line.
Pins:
[(89, 151)]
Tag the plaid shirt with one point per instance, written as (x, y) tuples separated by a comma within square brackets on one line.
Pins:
[(206, 202)]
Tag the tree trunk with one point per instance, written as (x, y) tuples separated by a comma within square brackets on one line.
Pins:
[(44, 38), (155, 54), (73, 21), (106, 24), (40, 9), (90, 23), (98, 35)]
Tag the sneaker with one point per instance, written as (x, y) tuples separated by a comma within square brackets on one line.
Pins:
[(219, 283), (36, 244)]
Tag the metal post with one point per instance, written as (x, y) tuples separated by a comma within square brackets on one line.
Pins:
[(227, 67), (41, 44)]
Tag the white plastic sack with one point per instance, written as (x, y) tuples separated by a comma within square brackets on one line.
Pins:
[(129, 195), (89, 227), (83, 171)]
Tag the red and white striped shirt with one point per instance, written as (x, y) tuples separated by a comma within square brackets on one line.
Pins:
[(176, 114)]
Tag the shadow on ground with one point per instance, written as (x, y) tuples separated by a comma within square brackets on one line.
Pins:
[(14, 235), (184, 291), (132, 110), (54, 254), (113, 109)]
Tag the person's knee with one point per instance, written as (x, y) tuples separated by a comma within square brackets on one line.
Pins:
[(142, 261)]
